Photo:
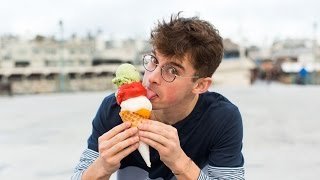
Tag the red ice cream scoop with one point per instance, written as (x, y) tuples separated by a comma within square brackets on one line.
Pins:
[(130, 90)]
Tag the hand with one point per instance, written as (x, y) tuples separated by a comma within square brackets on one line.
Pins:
[(116, 144), (164, 138)]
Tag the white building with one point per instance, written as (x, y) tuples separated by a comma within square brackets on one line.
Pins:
[(63, 63)]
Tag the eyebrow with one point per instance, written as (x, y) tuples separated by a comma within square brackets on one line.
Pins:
[(177, 64), (173, 63)]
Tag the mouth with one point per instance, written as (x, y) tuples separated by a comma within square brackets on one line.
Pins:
[(151, 94)]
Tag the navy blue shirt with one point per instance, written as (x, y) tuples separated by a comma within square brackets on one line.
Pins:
[(210, 135)]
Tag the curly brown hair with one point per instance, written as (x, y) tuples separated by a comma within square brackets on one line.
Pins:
[(189, 38)]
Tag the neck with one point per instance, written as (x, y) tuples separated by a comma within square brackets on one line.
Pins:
[(175, 114)]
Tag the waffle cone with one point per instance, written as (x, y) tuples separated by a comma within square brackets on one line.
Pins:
[(128, 116), (135, 119)]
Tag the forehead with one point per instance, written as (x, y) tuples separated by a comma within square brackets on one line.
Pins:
[(182, 62)]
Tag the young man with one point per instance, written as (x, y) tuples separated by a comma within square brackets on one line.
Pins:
[(193, 134)]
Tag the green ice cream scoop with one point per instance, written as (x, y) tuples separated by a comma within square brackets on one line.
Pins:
[(126, 73)]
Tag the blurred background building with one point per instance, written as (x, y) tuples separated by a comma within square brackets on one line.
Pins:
[(49, 64)]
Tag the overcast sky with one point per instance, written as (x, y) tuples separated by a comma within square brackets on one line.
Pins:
[(248, 21)]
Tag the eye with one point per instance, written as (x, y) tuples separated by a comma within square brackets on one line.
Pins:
[(154, 60), (172, 70)]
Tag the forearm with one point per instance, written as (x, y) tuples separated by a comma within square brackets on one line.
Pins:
[(95, 171), (187, 170)]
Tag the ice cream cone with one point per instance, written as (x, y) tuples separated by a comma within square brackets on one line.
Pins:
[(132, 97), (135, 119)]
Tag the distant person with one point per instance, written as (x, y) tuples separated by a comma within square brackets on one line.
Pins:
[(254, 72), (193, 133), (6, 87), (303, 76)]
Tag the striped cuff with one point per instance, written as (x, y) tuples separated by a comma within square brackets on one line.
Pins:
[(217, 173), (202, 176), (87, 158), (77, 175)]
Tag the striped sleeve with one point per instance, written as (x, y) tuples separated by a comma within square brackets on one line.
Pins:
[(86, 159), (219, 173)]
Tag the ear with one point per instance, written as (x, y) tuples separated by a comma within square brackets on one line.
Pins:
[(202, 85)]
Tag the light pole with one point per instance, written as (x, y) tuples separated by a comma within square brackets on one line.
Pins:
[(61, 74), (314, 54)]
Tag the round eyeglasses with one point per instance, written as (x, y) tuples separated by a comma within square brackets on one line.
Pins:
[(168, 72)]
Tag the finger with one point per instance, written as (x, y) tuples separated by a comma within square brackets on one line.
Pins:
[(114, 160), (155, 127), (154, 137), (114, 131), (157, 146), (156, 123), (125, 152), (120, 137), (119, 147)]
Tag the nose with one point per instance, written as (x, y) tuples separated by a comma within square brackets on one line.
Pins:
[(154, 77)]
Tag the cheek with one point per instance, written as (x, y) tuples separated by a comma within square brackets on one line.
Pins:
[(173, 94)]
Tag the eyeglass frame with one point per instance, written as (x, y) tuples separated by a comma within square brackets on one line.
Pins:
[(163, 70)]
